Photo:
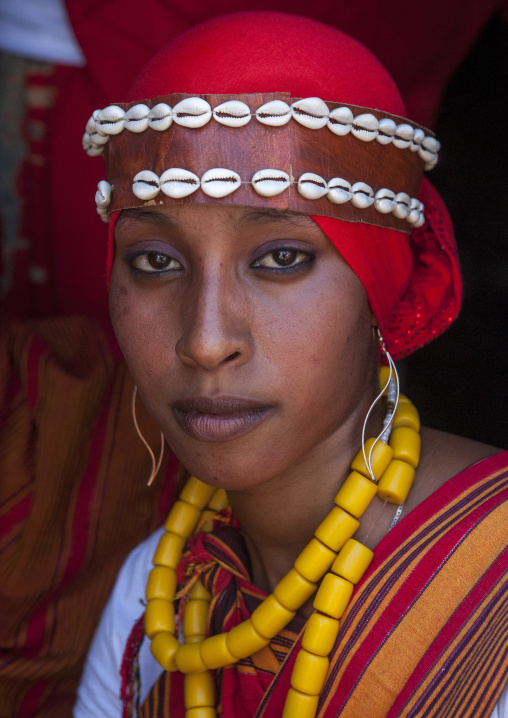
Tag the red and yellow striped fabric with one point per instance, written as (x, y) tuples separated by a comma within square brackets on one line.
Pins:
[(73, 503), (426, 633)]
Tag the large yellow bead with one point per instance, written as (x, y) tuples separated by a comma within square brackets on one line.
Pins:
[(164, 647), (381, 457), (406, 415), (199, 690), (199, 592), (355, 494), (169, 550), (309, 672), (206, 523), (188, 658), (161, 583), (195, 616), (215, 653), (384, 375), (196, 493), (396, 482), (333, 595), (353, 560), (300, 705), (336, 528), (270, 617), (293, 590), (159, 616), (406, 444), (243, 640), (201, 712), (182, 519), (320, 634), (218, 501), (314, 560)]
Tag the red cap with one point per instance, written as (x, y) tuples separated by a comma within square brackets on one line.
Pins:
[(412, 281)]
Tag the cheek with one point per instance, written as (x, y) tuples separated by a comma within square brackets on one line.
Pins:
[(142, 337), (327, 357)]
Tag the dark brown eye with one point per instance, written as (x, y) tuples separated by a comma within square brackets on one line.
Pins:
[(158, 261), (152, 262), (285, 257)]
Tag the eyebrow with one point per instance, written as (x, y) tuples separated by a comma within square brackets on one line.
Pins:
[(266, 214), (147, 215), (258, 215)]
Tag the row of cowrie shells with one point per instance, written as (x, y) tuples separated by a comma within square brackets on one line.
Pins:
[(310, 112), (220, 182)]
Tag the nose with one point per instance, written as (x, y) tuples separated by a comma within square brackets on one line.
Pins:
[(214, 324)]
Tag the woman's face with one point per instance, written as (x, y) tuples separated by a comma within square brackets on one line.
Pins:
[(249, 337)]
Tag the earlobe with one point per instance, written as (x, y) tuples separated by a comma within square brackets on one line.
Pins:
[(373, 320)]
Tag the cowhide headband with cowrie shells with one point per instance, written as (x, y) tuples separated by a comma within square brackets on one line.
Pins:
[(263, 150)]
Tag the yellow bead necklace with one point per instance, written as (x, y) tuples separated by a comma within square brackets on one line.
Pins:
[(332, 557)]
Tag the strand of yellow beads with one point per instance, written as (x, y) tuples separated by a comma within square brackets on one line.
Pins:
[(332, 557)]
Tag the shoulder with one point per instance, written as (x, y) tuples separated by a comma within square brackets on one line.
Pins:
[(99, 690), (445, 456)]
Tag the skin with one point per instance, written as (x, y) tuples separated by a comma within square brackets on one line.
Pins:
[(218, 301)]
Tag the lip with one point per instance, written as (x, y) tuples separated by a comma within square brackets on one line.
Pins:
[(218, 418)]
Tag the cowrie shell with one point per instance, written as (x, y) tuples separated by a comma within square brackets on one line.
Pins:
[(146, 185), (312, 186), (403, 204), (136, 118), (274, 113), (417, 139), (365, 127), (95, 118), (99, 140), (384, 200), (110, 120), (339, 190), (340, 121), (386, 132), (431, 144), (219, 182), (86, 142), (404, 135), (232, 113), (103, 194), (363, 195), (160, 117), (310, 112), (178, 183), (192, 112), (269, 183), (414, 213), (94, 151), (429, 158), (91, 127), (420, 222), (102, 212)]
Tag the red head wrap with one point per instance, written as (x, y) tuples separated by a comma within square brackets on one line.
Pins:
[(412, 281)]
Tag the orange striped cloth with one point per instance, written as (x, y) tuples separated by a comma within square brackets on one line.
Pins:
[(73, 503), (426, 633)]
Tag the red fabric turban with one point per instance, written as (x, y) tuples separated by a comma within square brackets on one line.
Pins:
[(412, 281)]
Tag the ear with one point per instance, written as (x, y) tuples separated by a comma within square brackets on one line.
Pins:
[(373, 320)]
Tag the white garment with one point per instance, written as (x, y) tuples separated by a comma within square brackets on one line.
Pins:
[(99, 690), (39, 29)]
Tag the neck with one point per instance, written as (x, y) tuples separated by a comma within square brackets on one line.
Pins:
[(279, 518)]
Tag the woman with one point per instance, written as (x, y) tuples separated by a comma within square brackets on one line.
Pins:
[(255, 345)]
